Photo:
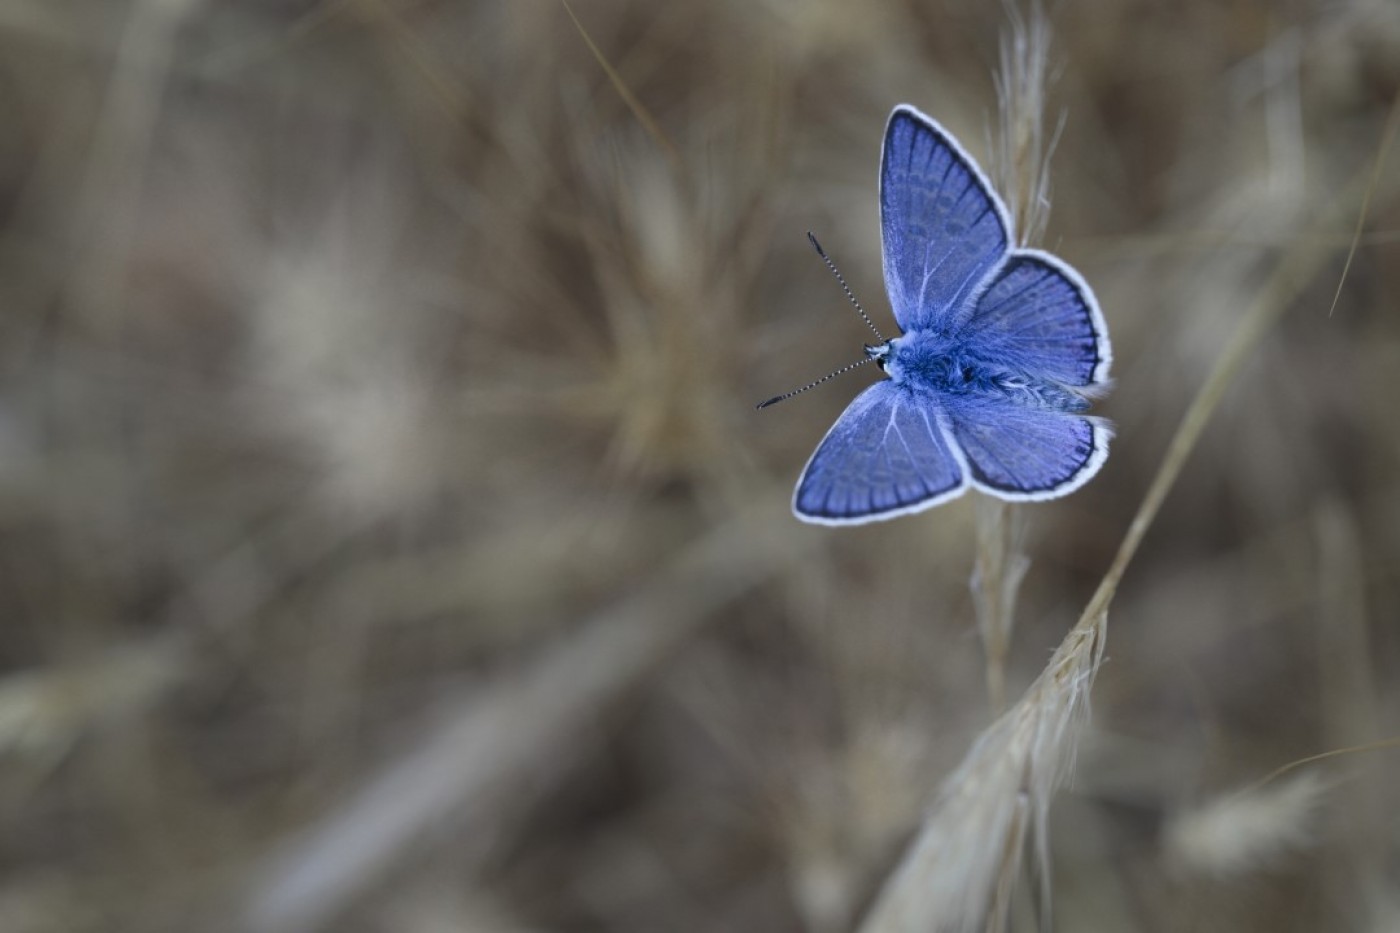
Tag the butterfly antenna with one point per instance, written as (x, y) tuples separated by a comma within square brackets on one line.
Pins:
[(812, 385), (844, 287)]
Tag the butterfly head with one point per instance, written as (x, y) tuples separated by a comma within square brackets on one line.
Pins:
[(879, 352)]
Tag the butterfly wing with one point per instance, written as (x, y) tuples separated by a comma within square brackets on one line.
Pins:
[(888, 454), (943, 228), (1020, 453), (1040, 318)]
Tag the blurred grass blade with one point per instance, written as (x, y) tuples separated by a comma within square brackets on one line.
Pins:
[(1392, 123), (494, 739), (638, 109), (1294, 270)]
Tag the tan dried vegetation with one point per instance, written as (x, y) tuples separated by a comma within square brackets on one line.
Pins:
[(390, 541)]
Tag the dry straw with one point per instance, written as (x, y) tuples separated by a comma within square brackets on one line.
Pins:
[(960, 871), (1245, 831), (1021, 160)]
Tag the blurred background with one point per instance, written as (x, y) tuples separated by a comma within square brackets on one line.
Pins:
[(388, 541)]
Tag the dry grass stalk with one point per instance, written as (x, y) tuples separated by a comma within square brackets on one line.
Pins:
[(962, 867), (1021, 169), (638, 109), (996, 578), (1021, 151), (1246, 831)]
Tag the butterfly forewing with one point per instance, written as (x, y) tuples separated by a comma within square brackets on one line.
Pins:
[(943, 229)]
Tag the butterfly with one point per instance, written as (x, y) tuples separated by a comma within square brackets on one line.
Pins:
[(1001, 350)]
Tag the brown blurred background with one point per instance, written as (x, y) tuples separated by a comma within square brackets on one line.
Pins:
[(390, 543)]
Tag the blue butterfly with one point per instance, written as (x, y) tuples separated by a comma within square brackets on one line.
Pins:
[(1001, 351)]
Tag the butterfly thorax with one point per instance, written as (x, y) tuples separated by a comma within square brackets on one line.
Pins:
[(926, 361)]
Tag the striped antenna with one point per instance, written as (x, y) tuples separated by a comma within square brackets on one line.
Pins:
[(812, 385), (844, 287), (877, 352)]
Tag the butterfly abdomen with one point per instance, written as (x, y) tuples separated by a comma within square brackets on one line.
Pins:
[(1038, 393)]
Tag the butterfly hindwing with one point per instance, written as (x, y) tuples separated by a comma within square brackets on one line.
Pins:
[(1040, 318), (1020, 453), (886, 455), (943, 228)]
